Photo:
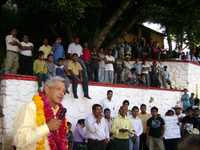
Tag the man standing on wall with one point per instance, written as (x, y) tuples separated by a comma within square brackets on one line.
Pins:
[(25, 61), (12, 55), (41, 123)]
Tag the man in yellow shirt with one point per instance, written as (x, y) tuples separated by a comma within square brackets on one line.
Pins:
[(75, 75), (46, 48), (41, 123), (144, 116), (121, 130)]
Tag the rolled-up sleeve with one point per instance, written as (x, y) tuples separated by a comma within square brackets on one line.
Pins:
[(26, 132)]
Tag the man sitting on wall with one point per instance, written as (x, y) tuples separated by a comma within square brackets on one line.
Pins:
[(75, 75)]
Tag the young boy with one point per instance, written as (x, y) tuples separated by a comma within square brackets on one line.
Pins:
[(40, 68), (60, 71), (51, 67), (60, 68)]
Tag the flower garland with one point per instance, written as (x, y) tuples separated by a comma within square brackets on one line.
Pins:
[(56, 139), (40, 119)]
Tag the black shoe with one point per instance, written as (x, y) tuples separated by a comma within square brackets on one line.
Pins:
[(76, 97), (87, 97), (67, 92)]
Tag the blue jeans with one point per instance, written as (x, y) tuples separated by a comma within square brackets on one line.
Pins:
[(136, 145)]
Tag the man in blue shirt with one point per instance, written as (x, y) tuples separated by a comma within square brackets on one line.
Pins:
[(58, 50)]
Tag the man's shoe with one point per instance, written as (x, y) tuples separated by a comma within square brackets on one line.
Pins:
[(76, 97), (87, 97), (67, 92)]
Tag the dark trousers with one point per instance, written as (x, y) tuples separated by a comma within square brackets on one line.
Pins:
[(171, 144), (95, 72), (88, 69), (109, 145), (42, 78), (25, 65), (79, 146), (85, 77), (120, 144), (75, 80), (143, 142), (96, 145)]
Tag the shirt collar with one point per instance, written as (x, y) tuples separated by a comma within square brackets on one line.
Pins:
[(55, 110)]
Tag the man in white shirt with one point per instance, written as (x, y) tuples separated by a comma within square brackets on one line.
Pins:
[(75, 47), (96, 129), (108, 103), (12, 54), (109, 69), (25, 59), (137, 126)]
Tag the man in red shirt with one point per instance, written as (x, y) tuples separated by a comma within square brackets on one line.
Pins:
[(86, 58)]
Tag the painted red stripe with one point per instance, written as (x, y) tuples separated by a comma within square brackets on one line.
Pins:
[(132, 86), (34, 78), (18, 77)]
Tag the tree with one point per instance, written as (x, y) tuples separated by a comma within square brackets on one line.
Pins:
[(98, 40)]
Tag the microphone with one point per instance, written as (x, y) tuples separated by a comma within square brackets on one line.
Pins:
[(62, 114)]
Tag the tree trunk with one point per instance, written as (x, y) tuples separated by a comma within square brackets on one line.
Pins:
[(99, 39), (125, 29), (169, 40)]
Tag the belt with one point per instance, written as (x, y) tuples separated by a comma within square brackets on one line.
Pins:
[(96, 140), (13, 51)]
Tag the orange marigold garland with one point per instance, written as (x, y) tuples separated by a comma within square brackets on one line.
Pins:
[(40, 119)]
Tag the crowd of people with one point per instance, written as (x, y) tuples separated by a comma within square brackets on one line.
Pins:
[(107, 127), (151, 50), (80, 64)]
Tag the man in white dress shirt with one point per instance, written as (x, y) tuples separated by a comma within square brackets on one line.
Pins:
[(12, 54), (108, 103), (109, 67), (96, 129), (75, 47), (137, 126), (25, 59)]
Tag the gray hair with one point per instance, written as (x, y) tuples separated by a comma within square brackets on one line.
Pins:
[(51, 81)]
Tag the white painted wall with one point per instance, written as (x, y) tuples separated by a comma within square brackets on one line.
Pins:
[(15, 92)]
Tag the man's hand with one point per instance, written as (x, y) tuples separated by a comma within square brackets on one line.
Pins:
[(98, 119), (54, 124), (123, 130)]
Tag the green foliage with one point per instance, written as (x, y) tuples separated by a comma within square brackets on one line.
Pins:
[(87, 17)]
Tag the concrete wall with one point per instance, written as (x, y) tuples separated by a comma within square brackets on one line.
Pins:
[(183, 74), (16, 92)]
